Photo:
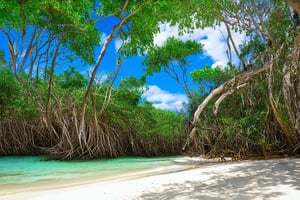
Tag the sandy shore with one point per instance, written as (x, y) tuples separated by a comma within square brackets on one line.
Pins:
[(263, 179)]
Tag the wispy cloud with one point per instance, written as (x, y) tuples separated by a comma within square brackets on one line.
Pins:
[(213, 39), (163, 99)]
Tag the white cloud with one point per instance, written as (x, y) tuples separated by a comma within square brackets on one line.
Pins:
[(23, 53), (103, 37), (163, 99), (101, 78), (118, 44), (213, 39)]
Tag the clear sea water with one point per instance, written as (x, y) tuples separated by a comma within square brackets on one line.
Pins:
[(30, 169)]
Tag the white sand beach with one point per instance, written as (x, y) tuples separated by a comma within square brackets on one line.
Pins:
[(260, 179)]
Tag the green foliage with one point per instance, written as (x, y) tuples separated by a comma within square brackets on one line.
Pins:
[(2, 58), (9, 90), (147, 121), (210, 78), (127, 96), (174, 50), (10, 16), (253, 49), (72, 80), (249, 123), (130, 91), (138, 29), (151, 122), (69, 19), (278, 22), (133, 83), (145, 24), (213, 74), (13, 103)]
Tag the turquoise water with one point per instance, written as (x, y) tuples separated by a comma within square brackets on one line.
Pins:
[(28, 169)]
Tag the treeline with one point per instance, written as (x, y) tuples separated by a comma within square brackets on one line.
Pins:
[(126, 126)]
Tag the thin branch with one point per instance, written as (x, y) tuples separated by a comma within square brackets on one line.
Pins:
[(28, 50), (234, 46), (123, 9), (261, 21), (51, 73), (13, 53)]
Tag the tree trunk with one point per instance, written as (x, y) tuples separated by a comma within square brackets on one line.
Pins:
[(291, 86), (295, 4)]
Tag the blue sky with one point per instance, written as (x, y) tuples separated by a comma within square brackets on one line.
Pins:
[(164, 92)]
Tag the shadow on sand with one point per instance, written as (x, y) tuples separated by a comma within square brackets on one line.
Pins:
[(265, 179)]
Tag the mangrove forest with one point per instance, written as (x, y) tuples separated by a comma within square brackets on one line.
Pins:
[(249, 107)]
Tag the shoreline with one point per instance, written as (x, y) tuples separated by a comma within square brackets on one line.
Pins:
[(180, 164), (260, 179)]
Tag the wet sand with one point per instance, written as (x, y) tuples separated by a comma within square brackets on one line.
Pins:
[(187, 179)]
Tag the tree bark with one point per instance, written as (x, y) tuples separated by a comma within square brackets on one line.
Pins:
[(291, 86), (295, 4)]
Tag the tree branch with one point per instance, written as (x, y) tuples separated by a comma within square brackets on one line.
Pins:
[(228, 85)]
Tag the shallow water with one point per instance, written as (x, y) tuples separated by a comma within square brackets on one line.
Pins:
[(31, 169)]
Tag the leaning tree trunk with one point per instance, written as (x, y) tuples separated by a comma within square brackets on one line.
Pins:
[(291, 86), (228, 88)]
